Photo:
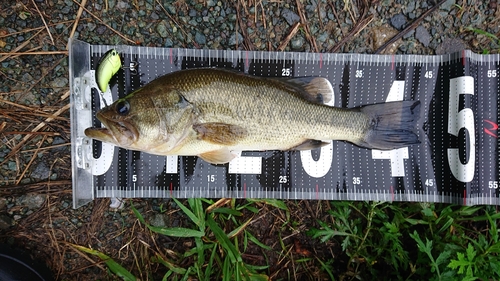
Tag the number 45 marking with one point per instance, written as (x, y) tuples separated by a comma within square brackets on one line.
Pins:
[(396, 156)]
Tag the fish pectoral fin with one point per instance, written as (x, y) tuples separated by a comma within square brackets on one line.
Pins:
[(220, 156), (220, 133), (314, 89), (310, 144)]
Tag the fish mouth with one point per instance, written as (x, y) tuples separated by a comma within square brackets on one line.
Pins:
[(118, 132)]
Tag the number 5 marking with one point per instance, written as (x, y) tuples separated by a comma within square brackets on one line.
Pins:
[(463, 119)]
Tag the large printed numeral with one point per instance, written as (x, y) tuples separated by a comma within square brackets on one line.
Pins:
[(396, 156), (318, 169), (461, 119)]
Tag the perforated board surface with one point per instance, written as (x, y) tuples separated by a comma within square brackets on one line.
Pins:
[(456, 162)]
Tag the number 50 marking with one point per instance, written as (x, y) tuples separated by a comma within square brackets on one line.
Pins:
[(463, 119)]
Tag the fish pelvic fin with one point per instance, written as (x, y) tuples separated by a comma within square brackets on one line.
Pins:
[(220, 133), (220, 156), (312, 88), (310, 144), (392, 125)]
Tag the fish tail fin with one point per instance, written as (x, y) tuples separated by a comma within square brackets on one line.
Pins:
[(392, 125)]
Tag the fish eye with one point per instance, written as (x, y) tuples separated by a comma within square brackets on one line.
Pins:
[(122, 107)]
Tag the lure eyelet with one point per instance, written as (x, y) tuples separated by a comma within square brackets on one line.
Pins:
[(122, 107)]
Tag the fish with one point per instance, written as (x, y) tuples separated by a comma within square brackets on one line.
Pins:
[(216, 114), (108, 66)]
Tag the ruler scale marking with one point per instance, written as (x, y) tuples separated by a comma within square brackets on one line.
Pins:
[(134, 171)]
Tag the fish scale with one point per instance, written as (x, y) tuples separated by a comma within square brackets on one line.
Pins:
[(456, 161)]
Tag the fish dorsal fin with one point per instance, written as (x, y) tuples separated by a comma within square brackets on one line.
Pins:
[(310, 144), (220, 133), (314, 89), (220, 156)]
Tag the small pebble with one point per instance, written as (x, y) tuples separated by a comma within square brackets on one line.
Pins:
[(398, 21), (423, 36), (289, 16)]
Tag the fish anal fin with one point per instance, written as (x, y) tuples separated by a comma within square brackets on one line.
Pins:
[(220, 133), (312, 88), (220, 156), (310, 144)]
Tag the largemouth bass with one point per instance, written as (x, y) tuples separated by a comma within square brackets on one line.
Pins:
[(215, 113)]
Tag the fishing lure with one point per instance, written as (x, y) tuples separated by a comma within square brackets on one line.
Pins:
[(109, 65)]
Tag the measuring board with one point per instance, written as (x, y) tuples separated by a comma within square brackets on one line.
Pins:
[(456, 162)]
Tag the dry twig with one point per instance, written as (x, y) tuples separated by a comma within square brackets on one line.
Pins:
[(105, 24), (13, 54), (43, 76), (78, 15), (178, 25), (360, 25), (249, 45), (36, 129), (303, 20), (44, 23), (409, 28), (289, 37), (19, 47)]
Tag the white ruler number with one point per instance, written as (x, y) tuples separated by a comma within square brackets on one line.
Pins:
[(457, 120), (318, 169), (396, 156)]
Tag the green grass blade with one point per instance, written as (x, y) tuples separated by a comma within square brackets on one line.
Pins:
[(200, 251), (240, 228), (327, 269), (224, 241), (208, 270), (227, 211), (177, 231), (447, 225), (116, 268), (226, 272), (257, 242), (188, 212), (197, 206), (138, 215), (482, 32), (169, 265), (273, 202)]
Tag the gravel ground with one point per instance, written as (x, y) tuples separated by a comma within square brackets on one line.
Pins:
[(35, 175)]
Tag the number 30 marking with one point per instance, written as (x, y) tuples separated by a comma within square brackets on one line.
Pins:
[(463, 119)]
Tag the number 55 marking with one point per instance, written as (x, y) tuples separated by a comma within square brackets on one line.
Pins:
[(457, 120)]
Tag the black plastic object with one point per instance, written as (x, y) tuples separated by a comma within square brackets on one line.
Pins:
[(15, 265)]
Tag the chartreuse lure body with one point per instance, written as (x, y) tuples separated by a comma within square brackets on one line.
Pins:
[(109, 65)]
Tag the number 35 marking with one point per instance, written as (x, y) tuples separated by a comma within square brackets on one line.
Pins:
[(457, 120)]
